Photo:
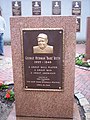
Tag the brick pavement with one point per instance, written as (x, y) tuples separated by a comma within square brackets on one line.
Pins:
[(82, 82), (82, 77), (6, 73)]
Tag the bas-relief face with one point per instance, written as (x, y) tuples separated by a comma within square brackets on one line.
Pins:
[(42, 43)]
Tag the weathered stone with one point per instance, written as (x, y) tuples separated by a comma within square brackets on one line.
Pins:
[(79, 95), (87, 115), (86, 108), (83, 101)]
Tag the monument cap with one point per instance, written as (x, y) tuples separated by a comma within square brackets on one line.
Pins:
[(42, 35)]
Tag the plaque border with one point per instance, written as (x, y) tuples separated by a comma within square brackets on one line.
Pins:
[(22, 60)]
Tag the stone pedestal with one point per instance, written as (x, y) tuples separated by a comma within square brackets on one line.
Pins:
[(76, 115), (44, 103), (88, 39)]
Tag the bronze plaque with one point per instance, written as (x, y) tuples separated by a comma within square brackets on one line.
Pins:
[(42, 54), (76, 8), (56, 7), (16, 8), (78, 21), (36, 7)]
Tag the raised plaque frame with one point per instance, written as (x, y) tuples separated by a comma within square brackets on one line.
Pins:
[(31, 35)]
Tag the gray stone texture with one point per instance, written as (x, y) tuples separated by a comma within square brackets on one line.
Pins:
[(79, 95), (86, 108), (83, 101), (87, 115)]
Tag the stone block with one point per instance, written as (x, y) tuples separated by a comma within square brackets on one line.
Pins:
[(44, 103)]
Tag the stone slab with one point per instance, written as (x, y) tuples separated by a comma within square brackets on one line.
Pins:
[(76, 115), (44, 103), (88, 39), (83, 101), (87, 115), (79, 95), (86, 108)]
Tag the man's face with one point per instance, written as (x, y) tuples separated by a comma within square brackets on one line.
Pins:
[(42, 43)]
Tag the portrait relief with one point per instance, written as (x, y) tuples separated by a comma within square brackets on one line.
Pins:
[(42, 45)]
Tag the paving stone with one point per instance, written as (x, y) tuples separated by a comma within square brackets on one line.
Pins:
[(79, 95), (76, 92), (83, 102), (86, 108), (87, 118), (9, 82), (6, 73), (87, 115), (84, 68)]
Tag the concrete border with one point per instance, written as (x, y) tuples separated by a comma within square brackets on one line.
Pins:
[(84, 104)]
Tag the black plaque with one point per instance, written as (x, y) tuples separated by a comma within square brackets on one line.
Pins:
[(76, 8), (78, 25), (42, 70), (56, 7), (16, 8), (36, 7)]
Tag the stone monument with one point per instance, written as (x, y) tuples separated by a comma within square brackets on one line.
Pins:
[(44, 80), (88, 39)]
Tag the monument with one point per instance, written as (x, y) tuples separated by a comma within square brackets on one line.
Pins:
[(88, 39), (44, 80)]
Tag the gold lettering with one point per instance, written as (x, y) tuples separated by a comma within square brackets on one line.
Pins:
[(39, 58), (49, 58), (29, 58)]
